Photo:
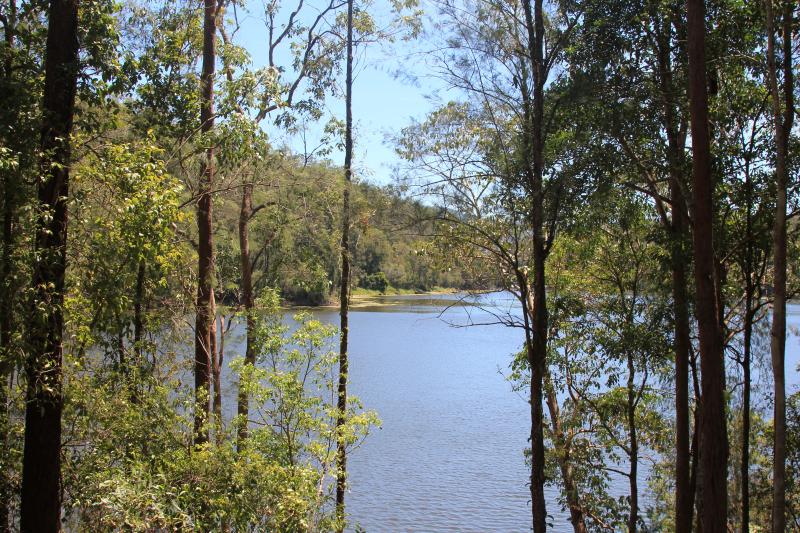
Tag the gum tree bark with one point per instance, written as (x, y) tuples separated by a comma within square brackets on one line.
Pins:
[(678, 228), (534, 143), (561, 442), (344, 292), (783, 120), (684, 498), (245, 214), (41, 464), (576, 515), (205, 250), (713, 438)]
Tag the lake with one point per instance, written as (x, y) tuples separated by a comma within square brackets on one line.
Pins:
[(449, 456)]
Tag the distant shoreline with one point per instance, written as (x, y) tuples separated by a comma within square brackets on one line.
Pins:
[(362, 297)]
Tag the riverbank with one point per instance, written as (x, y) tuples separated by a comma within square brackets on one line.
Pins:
[(361, 297)]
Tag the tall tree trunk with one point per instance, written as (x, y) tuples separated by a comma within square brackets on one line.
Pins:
[(684, 503), (680, 299), (633, 516), (696, 478), (576, 515), (344, 293), (713, 439), (7, 296), (749, 289), (744, 467), (783, 120), (245, 214), (205, 250), (41, 463), (534, 22)]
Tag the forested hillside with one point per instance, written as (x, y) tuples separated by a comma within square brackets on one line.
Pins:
[(295, 237), (625, 172)]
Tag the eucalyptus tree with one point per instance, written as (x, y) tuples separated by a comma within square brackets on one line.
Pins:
[(713, 428), (610, 351), (307, 36), (54, 57), (742, 161), (205, 249), (783, 111), (302, 51), (300, 89), (463, 158), (20, 85), (632, 64), (173, 102), (533, 128), (40, 508), (493, 52), (345, 281)]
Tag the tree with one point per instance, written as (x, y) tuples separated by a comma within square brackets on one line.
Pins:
[(462, 158), (344, 290), (497, 58), (205, 250), (641, 118), (21, 89), (41, 497), (125, 204), (741, 151), (533, 128), (783, 113), (713, 431), (7, 298), (315, 58)]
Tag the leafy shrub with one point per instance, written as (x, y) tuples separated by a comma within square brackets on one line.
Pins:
[(375, 282), (131, 465)]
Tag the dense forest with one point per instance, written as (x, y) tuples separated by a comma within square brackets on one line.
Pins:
[(627, 171)]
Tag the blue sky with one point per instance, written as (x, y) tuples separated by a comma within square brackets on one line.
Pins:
[(382, 102)]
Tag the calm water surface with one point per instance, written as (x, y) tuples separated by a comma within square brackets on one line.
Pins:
[(450, 454), (449, 457)]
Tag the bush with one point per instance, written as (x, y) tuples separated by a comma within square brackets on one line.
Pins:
[(375, 282), (308, 285), (130, 464)]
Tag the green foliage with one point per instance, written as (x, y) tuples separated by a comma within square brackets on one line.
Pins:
[(375, 282), (130, 461), (126, 208), (294, 237), (608, 350)]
